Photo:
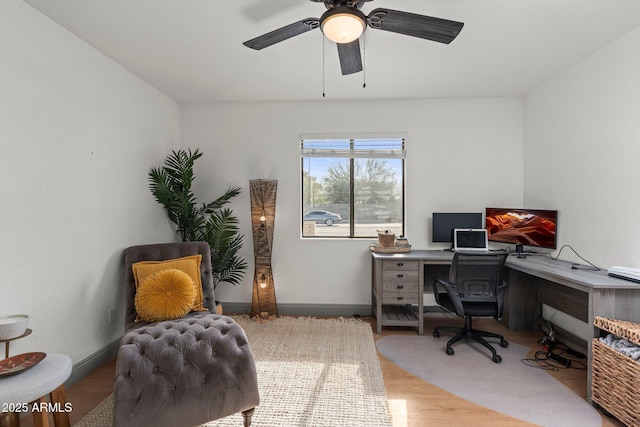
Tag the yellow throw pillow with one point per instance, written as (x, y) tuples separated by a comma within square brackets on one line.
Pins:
[(166, 295), (189, 264)]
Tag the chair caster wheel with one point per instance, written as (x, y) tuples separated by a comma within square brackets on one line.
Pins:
[(504, 344), (450, 351), (436, 334), (497, 358)]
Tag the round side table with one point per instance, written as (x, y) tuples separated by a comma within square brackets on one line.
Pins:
[(29, 390), (6, 342)]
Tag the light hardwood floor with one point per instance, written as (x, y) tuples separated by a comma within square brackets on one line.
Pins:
[(413, 402)]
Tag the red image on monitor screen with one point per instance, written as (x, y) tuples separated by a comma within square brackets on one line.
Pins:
[(530, 227)]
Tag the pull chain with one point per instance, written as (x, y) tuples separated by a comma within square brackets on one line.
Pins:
[(323, 68), (364, 61)]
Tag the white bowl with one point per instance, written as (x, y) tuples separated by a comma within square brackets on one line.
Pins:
[(13, 326)]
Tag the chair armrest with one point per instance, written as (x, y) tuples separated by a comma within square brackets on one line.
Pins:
[(452, 291), (438, 286)]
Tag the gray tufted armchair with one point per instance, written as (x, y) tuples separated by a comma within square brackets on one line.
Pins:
[(184, 372)]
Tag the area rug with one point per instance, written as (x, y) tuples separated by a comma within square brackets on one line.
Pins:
[(311, 372), (510, 387)]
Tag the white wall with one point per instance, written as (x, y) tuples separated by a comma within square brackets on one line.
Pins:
[(243, 141), (582, 146), (78, 134)]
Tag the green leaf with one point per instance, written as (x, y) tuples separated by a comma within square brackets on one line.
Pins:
[(171, 185)]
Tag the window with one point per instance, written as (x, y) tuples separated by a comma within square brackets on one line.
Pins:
[(352, 187)]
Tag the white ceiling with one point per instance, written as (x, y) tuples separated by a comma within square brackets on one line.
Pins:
[(192, 49)]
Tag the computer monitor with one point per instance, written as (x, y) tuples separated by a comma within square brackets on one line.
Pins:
[(522, 227), (443, 224)]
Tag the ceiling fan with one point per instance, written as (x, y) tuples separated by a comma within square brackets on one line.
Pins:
[(344, 23)]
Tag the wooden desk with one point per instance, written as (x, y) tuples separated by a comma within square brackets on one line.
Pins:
[(397, 284), (536, 279), (583, 294)]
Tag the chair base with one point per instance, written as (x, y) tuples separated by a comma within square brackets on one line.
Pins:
[(468, 333)]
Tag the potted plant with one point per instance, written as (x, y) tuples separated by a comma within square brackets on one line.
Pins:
[(211, 222)]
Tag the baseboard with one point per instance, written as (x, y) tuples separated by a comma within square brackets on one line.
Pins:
[(91, 363), (305, 309)]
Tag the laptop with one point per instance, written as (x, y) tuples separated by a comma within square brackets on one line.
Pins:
[(470, 240)]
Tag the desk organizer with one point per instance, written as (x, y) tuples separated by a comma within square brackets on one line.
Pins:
[(615, 377)]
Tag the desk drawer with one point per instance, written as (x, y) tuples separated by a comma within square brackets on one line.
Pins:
[(400, 265), (399, 298), (400, 276), (400, 287)]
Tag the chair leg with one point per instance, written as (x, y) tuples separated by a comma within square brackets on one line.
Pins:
[(246, 415), (479, 339), (491, 335), (448, 328), (461, 336), (455, 330), (503, 343)]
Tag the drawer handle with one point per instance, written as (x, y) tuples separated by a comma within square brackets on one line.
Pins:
[(400, 298), (399, 287), (400, 264), (400, 275)]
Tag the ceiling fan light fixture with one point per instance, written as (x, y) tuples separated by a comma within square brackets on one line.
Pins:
[(343, 24)]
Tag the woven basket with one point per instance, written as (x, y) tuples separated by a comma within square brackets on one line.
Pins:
[(620, 328), (615, 377), (386, 240)]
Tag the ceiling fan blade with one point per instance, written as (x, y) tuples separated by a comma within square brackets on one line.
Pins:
[(410, 24), (350, 58), (284, 33)]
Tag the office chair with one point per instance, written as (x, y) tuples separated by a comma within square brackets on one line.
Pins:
[(475, 288)]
